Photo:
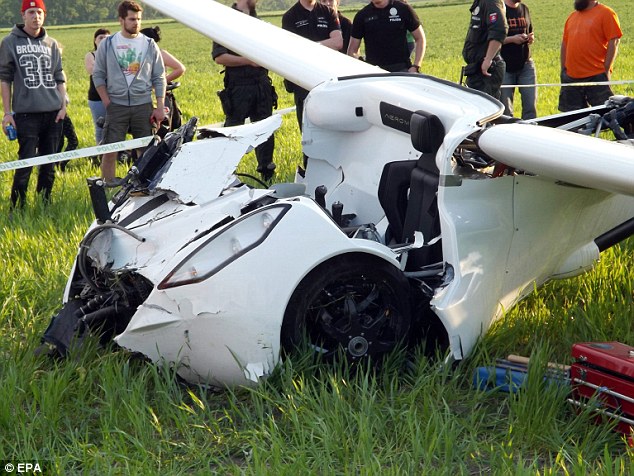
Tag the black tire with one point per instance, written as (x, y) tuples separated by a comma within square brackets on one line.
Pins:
[(357, 304)]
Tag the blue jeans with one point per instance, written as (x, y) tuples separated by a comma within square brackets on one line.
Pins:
[(38, 134), (97, 110), (524, 76)]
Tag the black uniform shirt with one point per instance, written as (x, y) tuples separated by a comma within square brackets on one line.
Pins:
[(384, 31), (235, 73), (488, 22), (315, 25)]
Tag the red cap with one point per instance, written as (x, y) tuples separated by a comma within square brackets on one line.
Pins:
[(26, 4)]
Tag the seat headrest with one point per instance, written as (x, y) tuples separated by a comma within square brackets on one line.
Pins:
[(427, 132)]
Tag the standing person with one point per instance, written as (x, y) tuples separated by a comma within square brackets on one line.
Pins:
[(97, 109), (127, 67), (248, 92), (487, 31), (520, 68), (33, 96), (383, 26), (316, 22), (344, 22), (176, 68), (590, 43)]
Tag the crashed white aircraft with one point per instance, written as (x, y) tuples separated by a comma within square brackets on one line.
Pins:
[(423, 216)]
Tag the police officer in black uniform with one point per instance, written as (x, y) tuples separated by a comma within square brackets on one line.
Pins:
[(487, 31), (248, 92), (316, 22)]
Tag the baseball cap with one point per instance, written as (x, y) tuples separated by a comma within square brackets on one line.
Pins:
[(26, 4)]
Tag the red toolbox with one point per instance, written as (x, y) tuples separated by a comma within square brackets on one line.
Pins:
[(605, 370)]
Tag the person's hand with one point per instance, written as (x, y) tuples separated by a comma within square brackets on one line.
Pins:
[(531, 38), (158, 114), (519, 39), (6, 120), (484, 68), (61, 114)]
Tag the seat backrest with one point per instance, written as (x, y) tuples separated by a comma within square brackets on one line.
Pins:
[(404, 183), (427, 134), (393, 192)]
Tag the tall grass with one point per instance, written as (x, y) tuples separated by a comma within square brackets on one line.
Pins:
[(107, 412)]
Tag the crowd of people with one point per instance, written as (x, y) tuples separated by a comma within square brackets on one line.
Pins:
[(129, 73)]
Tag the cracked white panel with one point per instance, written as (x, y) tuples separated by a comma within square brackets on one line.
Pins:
[(203, 169)]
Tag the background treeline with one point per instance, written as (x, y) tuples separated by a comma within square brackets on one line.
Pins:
[(72, 12), (67, 12)]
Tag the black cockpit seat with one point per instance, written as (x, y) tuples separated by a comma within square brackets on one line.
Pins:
[(408, 191)]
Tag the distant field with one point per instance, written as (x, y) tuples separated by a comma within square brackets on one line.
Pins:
[(105, 413)]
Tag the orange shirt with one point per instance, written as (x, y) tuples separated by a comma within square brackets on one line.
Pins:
[(586, 37)]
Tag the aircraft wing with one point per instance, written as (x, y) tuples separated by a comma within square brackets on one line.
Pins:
[(562, 155), (297, 59)]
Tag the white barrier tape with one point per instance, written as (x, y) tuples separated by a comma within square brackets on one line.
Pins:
[(77, 154), (280, 112), (591, 83)]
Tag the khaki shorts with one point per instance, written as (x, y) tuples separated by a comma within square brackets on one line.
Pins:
[(121, 120)]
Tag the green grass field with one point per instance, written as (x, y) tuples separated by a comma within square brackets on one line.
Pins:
[(104, 412)]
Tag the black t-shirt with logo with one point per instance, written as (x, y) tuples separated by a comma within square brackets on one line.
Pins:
[(519, 20), (315, 24), (384, 31)]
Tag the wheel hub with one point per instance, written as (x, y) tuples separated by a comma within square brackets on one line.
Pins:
[(358, 346)]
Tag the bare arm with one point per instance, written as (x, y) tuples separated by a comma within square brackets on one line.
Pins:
[(89, 62), (610, 55), (492, 50), (227, 59), (353, 47), (61, 114), (419, 50), (518, 39), (177, 68), (6, 104), (103, 94), (335, 41)]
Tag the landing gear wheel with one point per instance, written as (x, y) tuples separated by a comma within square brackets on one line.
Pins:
[(356, 304)]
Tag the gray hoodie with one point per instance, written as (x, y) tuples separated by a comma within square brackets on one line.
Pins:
[(151, 73), (34, 66)]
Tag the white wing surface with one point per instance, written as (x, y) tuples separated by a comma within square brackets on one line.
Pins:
[(562, 155), (297, 59)]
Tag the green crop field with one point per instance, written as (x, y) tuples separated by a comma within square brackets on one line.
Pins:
[(105, 412)]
